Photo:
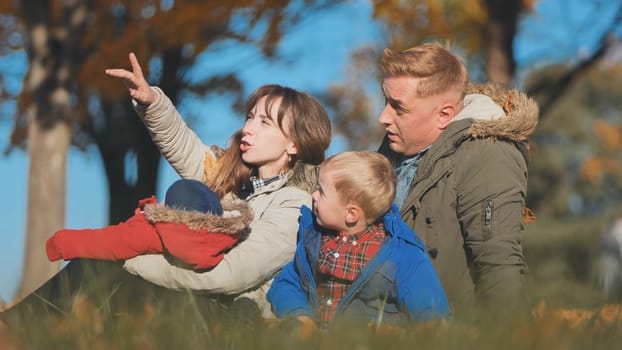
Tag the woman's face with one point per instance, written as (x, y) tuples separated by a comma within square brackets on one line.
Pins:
[(264, 144)]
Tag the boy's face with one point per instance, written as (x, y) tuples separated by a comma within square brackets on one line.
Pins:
[(328, 208)]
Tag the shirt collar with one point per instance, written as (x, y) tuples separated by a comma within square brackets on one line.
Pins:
[(408, 160), (254, 184)]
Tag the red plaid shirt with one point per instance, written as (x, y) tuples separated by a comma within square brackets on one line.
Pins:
[(341, 259)]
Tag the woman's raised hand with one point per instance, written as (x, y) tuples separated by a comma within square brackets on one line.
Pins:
[(136, 84)]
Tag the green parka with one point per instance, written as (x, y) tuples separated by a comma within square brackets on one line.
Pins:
[(468, 196)]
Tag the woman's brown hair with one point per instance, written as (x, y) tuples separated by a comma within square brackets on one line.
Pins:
[(309, 130)]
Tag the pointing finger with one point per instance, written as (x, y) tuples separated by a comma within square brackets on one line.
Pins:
[(119, 73), (138, 72)]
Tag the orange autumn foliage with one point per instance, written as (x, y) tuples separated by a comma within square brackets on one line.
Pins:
[(609, 134), (606, 316)]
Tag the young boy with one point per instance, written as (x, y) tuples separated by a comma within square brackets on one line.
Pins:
[(356, 258), (191, 227)]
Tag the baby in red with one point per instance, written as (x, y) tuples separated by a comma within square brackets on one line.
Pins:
[(193, 226)]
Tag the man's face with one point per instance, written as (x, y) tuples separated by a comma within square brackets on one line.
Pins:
[(412, 123)]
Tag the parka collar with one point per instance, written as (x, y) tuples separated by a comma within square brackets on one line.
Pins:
[(301, 175), (490, 111)]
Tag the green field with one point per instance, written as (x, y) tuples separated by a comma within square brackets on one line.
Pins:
[(570, 312)]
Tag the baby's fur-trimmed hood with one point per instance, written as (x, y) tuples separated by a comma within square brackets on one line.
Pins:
[(236, 218), (515, 121)]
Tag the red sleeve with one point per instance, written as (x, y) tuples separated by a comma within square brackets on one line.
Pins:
[(115, 242)]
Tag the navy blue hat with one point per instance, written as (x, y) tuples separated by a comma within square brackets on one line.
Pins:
[(190, 194)]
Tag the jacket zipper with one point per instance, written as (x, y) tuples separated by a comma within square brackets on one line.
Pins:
[(488, 213), (311, 280)]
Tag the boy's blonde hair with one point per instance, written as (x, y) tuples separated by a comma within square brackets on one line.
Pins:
[(364, 178)]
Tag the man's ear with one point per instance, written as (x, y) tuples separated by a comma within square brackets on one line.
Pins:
[(446, 114), (354, 213)]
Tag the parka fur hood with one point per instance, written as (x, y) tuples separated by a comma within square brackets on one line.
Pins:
[(236, 217), (514, 119)]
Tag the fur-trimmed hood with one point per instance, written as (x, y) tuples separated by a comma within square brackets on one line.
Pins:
[(499, 113), (236, 218)]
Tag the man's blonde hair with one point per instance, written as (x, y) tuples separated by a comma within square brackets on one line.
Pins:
[(438, 68), (364, 178)]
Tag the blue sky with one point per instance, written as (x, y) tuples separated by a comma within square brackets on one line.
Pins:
[(316, 54), (560, 30)]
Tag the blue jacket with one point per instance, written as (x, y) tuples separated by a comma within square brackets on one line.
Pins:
[(400, 273)]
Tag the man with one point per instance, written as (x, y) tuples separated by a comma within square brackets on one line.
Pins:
[(461, 155)]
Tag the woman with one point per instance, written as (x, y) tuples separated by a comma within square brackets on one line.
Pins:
[(271, 163)]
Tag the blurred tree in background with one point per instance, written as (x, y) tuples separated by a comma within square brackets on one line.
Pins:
[(481, 31), (575, 167), (67, 99), (51, 34), (575, 170)]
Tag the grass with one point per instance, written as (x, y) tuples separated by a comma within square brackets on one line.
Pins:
[(563, 262), (570, 312)]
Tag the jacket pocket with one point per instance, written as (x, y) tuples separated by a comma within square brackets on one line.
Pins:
[(381, 284), (379, 294)]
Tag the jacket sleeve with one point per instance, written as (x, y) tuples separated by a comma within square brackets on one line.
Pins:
[(491, 197), (179, 145), (115, 242), (268, 247), (286, 295), (421, 293)]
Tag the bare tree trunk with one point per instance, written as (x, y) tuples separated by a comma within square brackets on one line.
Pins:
[(500, 33), (125, 134), (52, 42), (47, 148)]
